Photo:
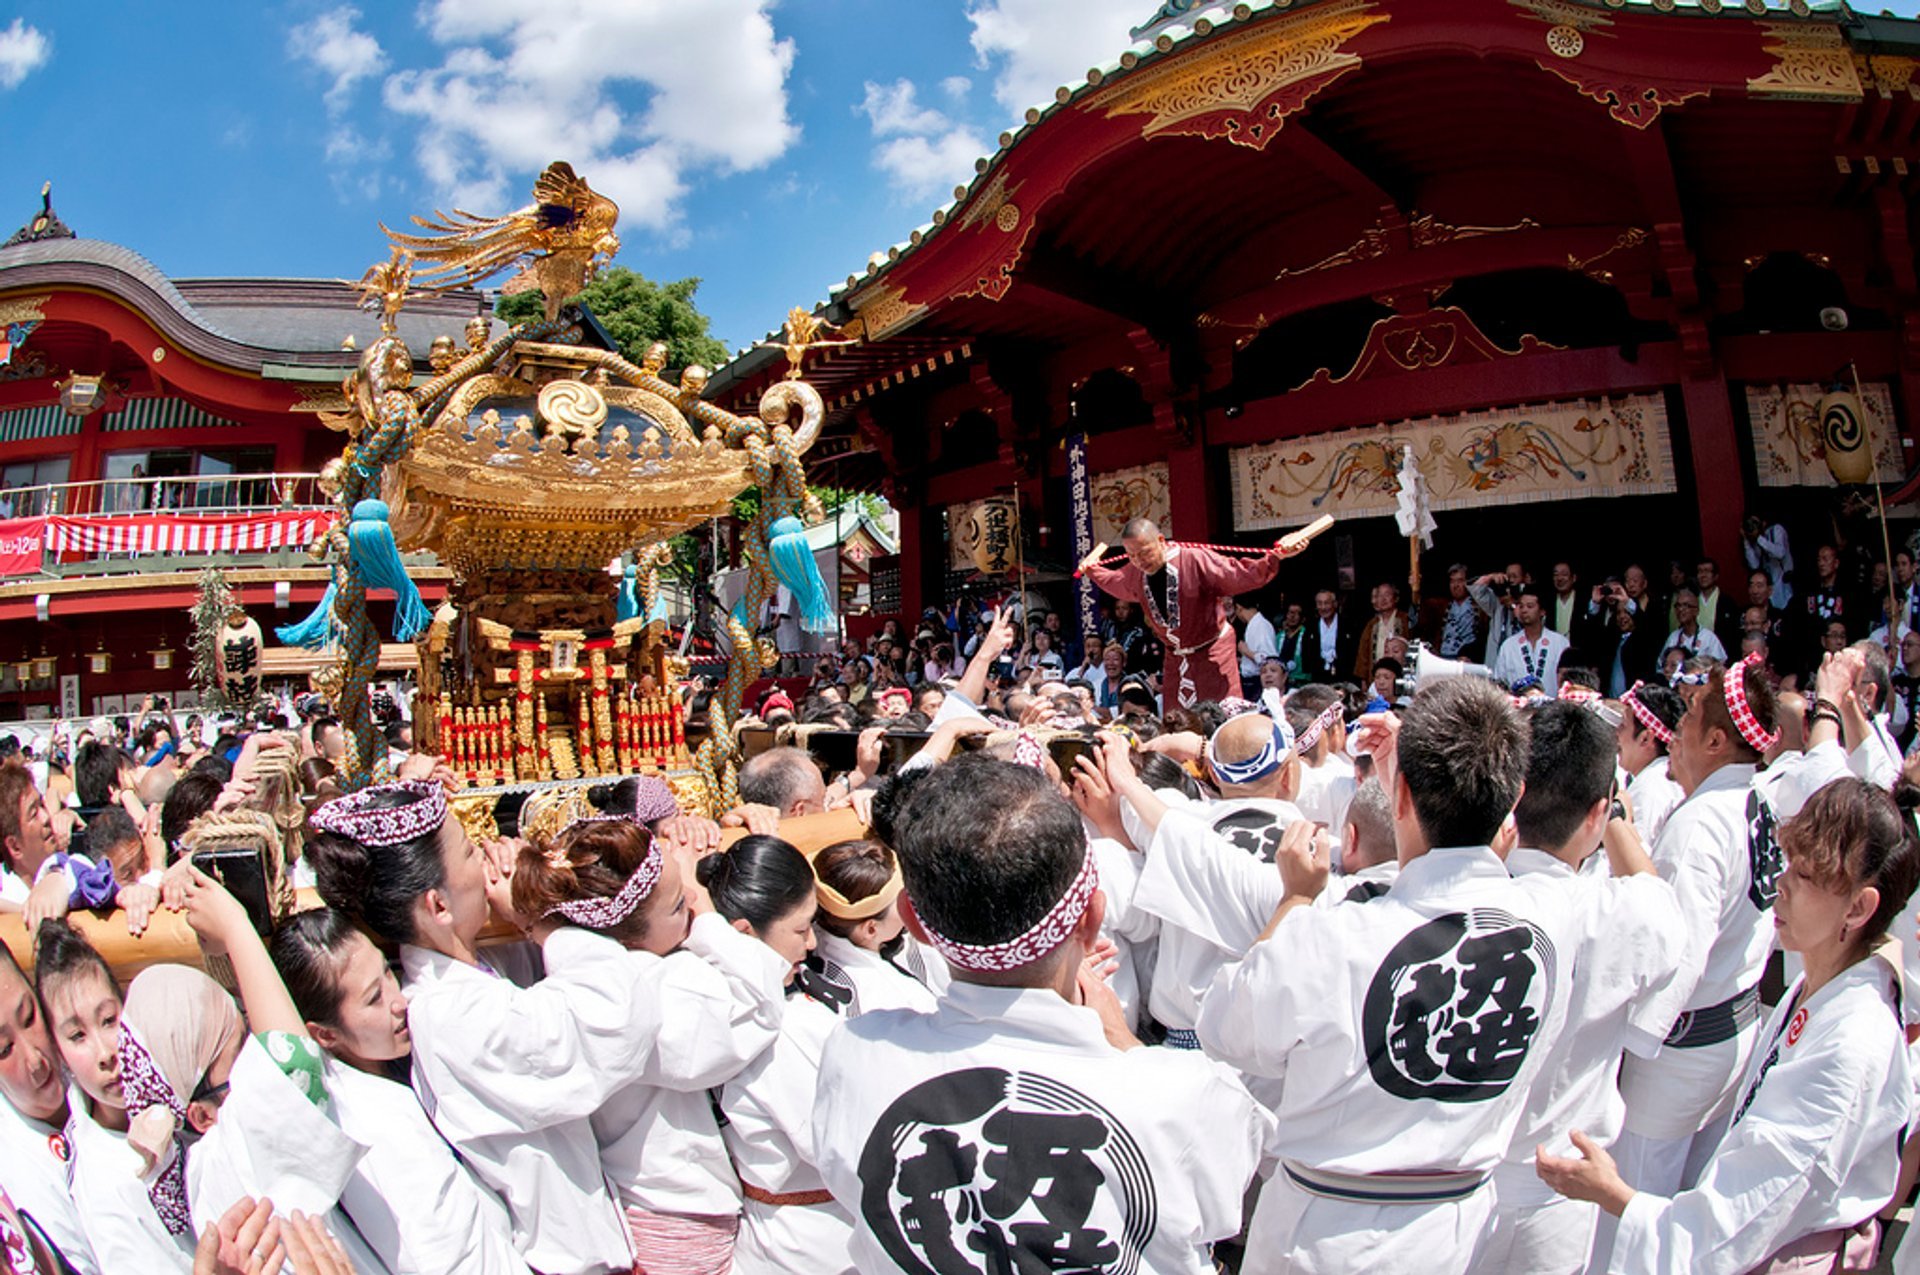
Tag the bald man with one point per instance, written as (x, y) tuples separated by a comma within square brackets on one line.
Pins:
[(1185, 591)]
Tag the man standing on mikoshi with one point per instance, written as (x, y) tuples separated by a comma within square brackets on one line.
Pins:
[(1185, 590)]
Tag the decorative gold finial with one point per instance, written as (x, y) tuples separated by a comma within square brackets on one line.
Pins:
[(803, 331)]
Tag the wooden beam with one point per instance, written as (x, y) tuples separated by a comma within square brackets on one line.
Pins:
[(169, 939)]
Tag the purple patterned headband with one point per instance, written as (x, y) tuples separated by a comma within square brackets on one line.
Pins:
[(609, 910), (142, 1086), (1047, 934), (357, 819)]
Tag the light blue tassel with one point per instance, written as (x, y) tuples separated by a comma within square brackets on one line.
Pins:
[(657, 613), (313, 631), (376, 560), (627, 605), (794, 567)]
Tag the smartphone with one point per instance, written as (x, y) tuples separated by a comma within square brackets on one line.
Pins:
[(245, 877), (1065, 748)]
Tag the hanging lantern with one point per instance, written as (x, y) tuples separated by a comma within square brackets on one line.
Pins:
[(43, 667), (1843, 435), (23, 671), (99, 662), (991, 535), (163, 658)]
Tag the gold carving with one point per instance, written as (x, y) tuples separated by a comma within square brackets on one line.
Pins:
[(882, 310), (22, 309), (1422, 230), (1566, 42), (984, 208), (1565, 13), (1810, 62), (1891, 76), (1628, 238), (1008, 218), (573, 407), (1254, 78), (314, 398)]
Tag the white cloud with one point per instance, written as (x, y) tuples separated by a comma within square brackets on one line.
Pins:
[(522, 85), (23, 50), (894, 108), (924, 152), (956, 87), (331, 44), (1035, 46)]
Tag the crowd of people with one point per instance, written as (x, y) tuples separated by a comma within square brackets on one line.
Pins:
[(1360, 972)]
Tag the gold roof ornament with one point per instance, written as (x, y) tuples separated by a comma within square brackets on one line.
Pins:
[(558, 241)]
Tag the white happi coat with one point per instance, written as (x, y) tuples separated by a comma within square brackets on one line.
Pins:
[(1725, 881), (1877, 760), (1814, 1144), (1405, 1033), (1325, 793), (125, 1232), (1124, 923), (272, 1142), (769, 1132), (414, 1202), (872, 981), (1655, 795), (1369, 882), (510, 1074), (1005, 1132), (722, 997), (36, 1168), (1193, 943), (1629, 939)]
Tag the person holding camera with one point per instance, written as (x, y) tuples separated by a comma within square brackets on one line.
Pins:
[(1766, 548)]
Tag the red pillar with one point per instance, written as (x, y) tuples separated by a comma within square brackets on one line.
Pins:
[(1716, 468), (913, 565), (1197, 515)]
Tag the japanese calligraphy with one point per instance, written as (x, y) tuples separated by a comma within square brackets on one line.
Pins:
[(1255, 831), (823, 981), (1765, 859), (1454, 1009), (990, 1172)]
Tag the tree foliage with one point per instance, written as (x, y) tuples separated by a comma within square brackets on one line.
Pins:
[(210, 610), (636, 312)]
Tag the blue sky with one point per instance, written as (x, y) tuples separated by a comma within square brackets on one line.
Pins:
[(766, 147)]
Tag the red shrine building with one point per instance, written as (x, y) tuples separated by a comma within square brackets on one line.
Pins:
[(150, 427), (1594, 263)]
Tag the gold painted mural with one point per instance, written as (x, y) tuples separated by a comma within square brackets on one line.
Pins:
[(1126, 494), (1787, 447), (1542, 451)]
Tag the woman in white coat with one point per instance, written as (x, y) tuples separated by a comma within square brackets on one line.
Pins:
[(790, 1222), (417, 1206), (1813, 1150), (509, 1066), (718, 997), (864, 950)]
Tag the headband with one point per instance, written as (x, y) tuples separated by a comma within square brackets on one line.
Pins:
[(1645, 716), (1235, 706), (357, 819), (1270, 758), (609, 910), (1328, 719), (1734, 687), (1048, 933), (836, 904), (1028, 751), (1574, 693)]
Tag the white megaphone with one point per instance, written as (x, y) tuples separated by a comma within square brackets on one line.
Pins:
[(1424, 666)]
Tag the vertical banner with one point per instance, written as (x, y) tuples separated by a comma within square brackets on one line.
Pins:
[(70, 695), (1080, 494)]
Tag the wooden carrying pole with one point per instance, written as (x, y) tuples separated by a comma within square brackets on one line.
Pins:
[(1886, 540), (170, 940)]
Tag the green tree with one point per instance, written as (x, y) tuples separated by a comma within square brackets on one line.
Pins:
[(636, 312)]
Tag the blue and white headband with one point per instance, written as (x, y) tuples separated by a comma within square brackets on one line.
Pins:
[(1263, 763)]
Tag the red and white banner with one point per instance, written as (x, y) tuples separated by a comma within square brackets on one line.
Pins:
[(22, 546), (182, 533)]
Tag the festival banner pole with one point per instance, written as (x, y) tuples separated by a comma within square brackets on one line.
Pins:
[(1886, 541)]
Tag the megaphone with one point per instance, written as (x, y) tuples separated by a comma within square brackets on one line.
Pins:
[(1423, 665)]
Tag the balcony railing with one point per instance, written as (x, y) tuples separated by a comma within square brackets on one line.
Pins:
[(199, 493), (104, 501)]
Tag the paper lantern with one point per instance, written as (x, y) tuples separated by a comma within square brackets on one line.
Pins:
[(163, 658), (991, 536), (1843, 435)]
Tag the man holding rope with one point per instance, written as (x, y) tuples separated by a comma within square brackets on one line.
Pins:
[(1185, 590)]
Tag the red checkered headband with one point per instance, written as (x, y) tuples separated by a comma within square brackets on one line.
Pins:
[(1046, 934), (1735, 687), (1645, 716)]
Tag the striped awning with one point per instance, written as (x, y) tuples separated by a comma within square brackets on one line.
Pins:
[(186, 533), (161, 413), (25, 423)]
